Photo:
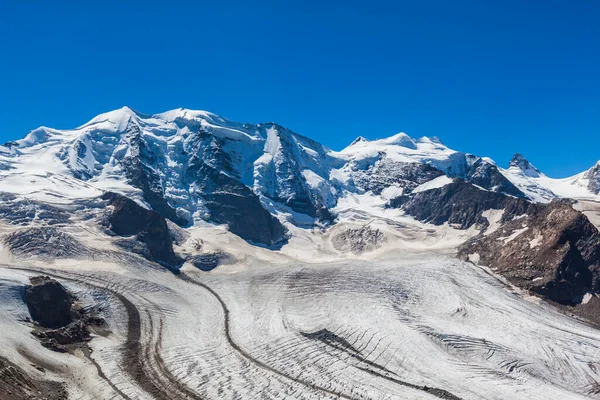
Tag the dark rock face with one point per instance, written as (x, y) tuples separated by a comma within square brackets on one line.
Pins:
[(486, 175), (291, 188), (385, 173), (553, 251), (140, 174), (15, 384), (520, 162), (49, 302), (593, 176), (460, 204), (61, 321), (210, 261), (244, 215), (232, 203), (129, 218)]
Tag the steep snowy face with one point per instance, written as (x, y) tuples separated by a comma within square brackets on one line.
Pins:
[(195, 165), (401, 148), (541, 188), (294, 170), (399, 162), (483, 172), (405, 163), (520, 163), (187, 165), (593, 178)]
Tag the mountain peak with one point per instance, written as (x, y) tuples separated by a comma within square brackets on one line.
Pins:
[(521, 163), (400, 139), (359, 140), (118, 118), (593, 176)]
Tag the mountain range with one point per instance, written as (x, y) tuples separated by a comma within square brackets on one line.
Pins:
[(193, 166), (182, 255)]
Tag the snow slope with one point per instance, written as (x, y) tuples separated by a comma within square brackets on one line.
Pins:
[(541, 188), (388, 325)]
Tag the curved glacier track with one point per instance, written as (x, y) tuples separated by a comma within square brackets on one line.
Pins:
[(142, 363), (141, 353), (440, 393)]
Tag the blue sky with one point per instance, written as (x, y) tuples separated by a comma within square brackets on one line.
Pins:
[(490, 79)]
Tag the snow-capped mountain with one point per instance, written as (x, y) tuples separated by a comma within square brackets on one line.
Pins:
[(541, 188), (194, 165), (370, 272)]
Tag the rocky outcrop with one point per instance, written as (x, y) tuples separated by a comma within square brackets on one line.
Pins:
[(385, 173), (61, 322), (553, 251), (210, 261), (358, 240), (49, 302), (460, 204), (128, 218), (593, 177), (16, 384), (234, 204), (486, 175)]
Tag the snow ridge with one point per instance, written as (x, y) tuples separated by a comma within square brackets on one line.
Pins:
[(173, 161)]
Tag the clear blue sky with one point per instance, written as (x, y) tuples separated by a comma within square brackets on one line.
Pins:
[(490, 79)]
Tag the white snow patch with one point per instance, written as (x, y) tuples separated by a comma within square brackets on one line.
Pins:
[(438, 182), (513, 235), (494, 217), (587, 297), (474, 258), (536, 241), (392, 192)]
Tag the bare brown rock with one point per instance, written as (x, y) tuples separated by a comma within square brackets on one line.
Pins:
[(15, 384), (553, 251)]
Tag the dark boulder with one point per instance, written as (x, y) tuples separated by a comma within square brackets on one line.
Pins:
[(128, 218), (75, 332), (49, 302)]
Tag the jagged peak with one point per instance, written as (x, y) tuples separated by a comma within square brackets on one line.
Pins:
[(593, 172), (521, 163), (593, 177), (359, 140)]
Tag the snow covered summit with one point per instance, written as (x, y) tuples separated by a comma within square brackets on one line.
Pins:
[(194, 165)]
